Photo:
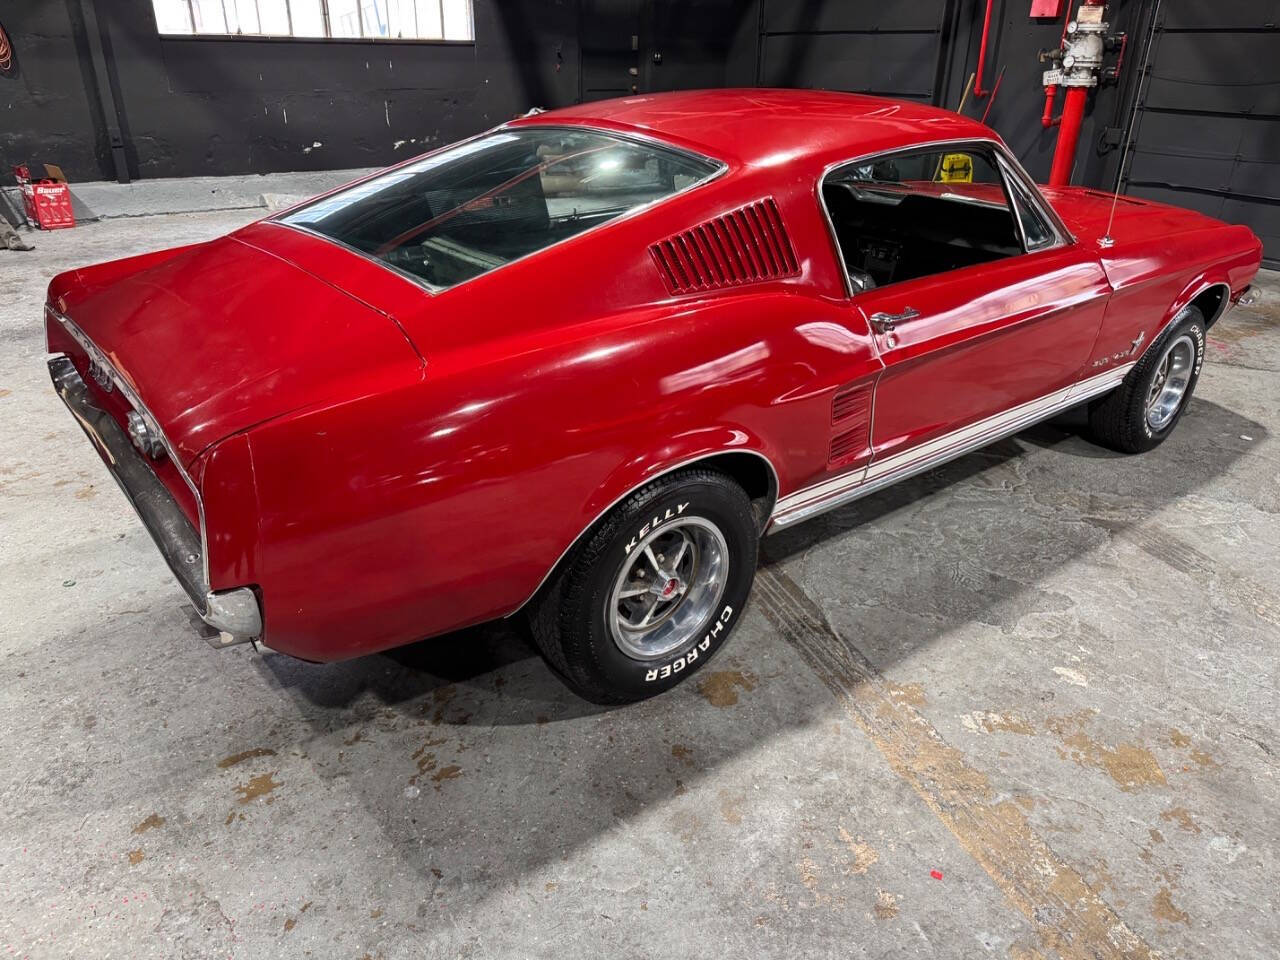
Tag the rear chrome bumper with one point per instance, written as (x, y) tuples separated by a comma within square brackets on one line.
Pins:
[(234, 613)]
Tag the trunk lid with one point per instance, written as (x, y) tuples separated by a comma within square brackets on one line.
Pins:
[(225, 335), (1086, 213)]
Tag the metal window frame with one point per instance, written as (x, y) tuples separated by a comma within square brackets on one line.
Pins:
[(327, 20), (721, 167), (1009, 169)]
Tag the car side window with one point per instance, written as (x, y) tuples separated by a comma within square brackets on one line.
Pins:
[(916, 214)]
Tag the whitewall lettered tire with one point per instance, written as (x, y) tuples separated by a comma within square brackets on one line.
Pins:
[(653, 590), (1140, 413)]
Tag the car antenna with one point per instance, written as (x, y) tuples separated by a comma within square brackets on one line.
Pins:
[(1107, 241)]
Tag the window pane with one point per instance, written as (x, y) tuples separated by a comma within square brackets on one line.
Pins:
[(374, 19), (374, 14), (429, 25), (914, 215), (275, 17), (401, 22), (172, 16), (308, 18), (209, 16), (242, 16), (344, 18), (468, 210), (457, 20)]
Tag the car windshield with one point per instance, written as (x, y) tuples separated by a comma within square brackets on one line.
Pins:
[(467, 210)]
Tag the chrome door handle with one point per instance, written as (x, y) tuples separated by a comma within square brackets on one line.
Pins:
[(885, 322)]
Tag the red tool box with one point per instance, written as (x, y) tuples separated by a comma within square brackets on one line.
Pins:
[(48, 199)]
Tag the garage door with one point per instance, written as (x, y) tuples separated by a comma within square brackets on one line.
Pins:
[(1207, 133)]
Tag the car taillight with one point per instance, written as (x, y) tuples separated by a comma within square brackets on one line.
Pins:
[(145, 435)]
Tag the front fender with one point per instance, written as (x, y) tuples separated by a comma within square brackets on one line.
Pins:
[(1155, 279)]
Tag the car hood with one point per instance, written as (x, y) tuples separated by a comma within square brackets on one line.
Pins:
[(1086, 213), (225, 335)]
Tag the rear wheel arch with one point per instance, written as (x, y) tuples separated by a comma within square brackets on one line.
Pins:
[(749, 468), (754, 473)]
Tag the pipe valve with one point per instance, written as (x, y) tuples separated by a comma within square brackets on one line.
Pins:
[(1077, 66), (1079, 59)]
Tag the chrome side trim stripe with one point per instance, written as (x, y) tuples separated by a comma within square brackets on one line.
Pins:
[(829, 494), (817, 493)]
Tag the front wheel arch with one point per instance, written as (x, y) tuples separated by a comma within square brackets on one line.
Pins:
[(1209, 297), (1120, 419), (1212, 302)]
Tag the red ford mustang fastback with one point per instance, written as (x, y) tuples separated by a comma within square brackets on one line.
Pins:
[(576, 366)]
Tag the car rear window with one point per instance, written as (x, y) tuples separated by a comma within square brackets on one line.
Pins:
[(469, 209)]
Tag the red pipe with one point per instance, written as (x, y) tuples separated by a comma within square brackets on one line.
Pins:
[(982, 53), (1124, 42), (1064, 157), (1050, 93), (994, 90)]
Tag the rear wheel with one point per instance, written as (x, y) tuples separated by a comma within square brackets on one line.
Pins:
[(1144, 409), (652, 592)]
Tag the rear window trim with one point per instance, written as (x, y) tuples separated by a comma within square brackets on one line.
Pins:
[(721, 167)]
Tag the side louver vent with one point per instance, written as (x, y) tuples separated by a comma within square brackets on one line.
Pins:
[(746, 245), (847, 445), (854, 402), (851, 417)]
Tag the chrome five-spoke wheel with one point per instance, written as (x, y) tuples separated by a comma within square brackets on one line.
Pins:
[(668, 588), (654, 590), (1169, 387)]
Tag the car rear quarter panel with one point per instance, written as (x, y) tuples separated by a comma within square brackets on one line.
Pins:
[(229, 489), (441, 504)]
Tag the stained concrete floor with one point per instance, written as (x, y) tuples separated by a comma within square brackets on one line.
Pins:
[(1023, 706)]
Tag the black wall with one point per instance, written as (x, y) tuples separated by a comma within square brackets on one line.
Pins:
[(223, 106), (1207, 131), (1206, 135), (47, 100), (190, 106), (926, 50), (888, 49), (1015, 41)]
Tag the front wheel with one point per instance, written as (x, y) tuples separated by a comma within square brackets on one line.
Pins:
[(653, 590), (1144, 409)]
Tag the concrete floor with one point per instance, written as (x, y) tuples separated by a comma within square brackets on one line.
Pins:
[(1023, 706)]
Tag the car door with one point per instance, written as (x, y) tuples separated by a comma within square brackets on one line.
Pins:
[(982, 308)]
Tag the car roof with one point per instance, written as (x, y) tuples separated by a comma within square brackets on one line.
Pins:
[(759, 126)]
